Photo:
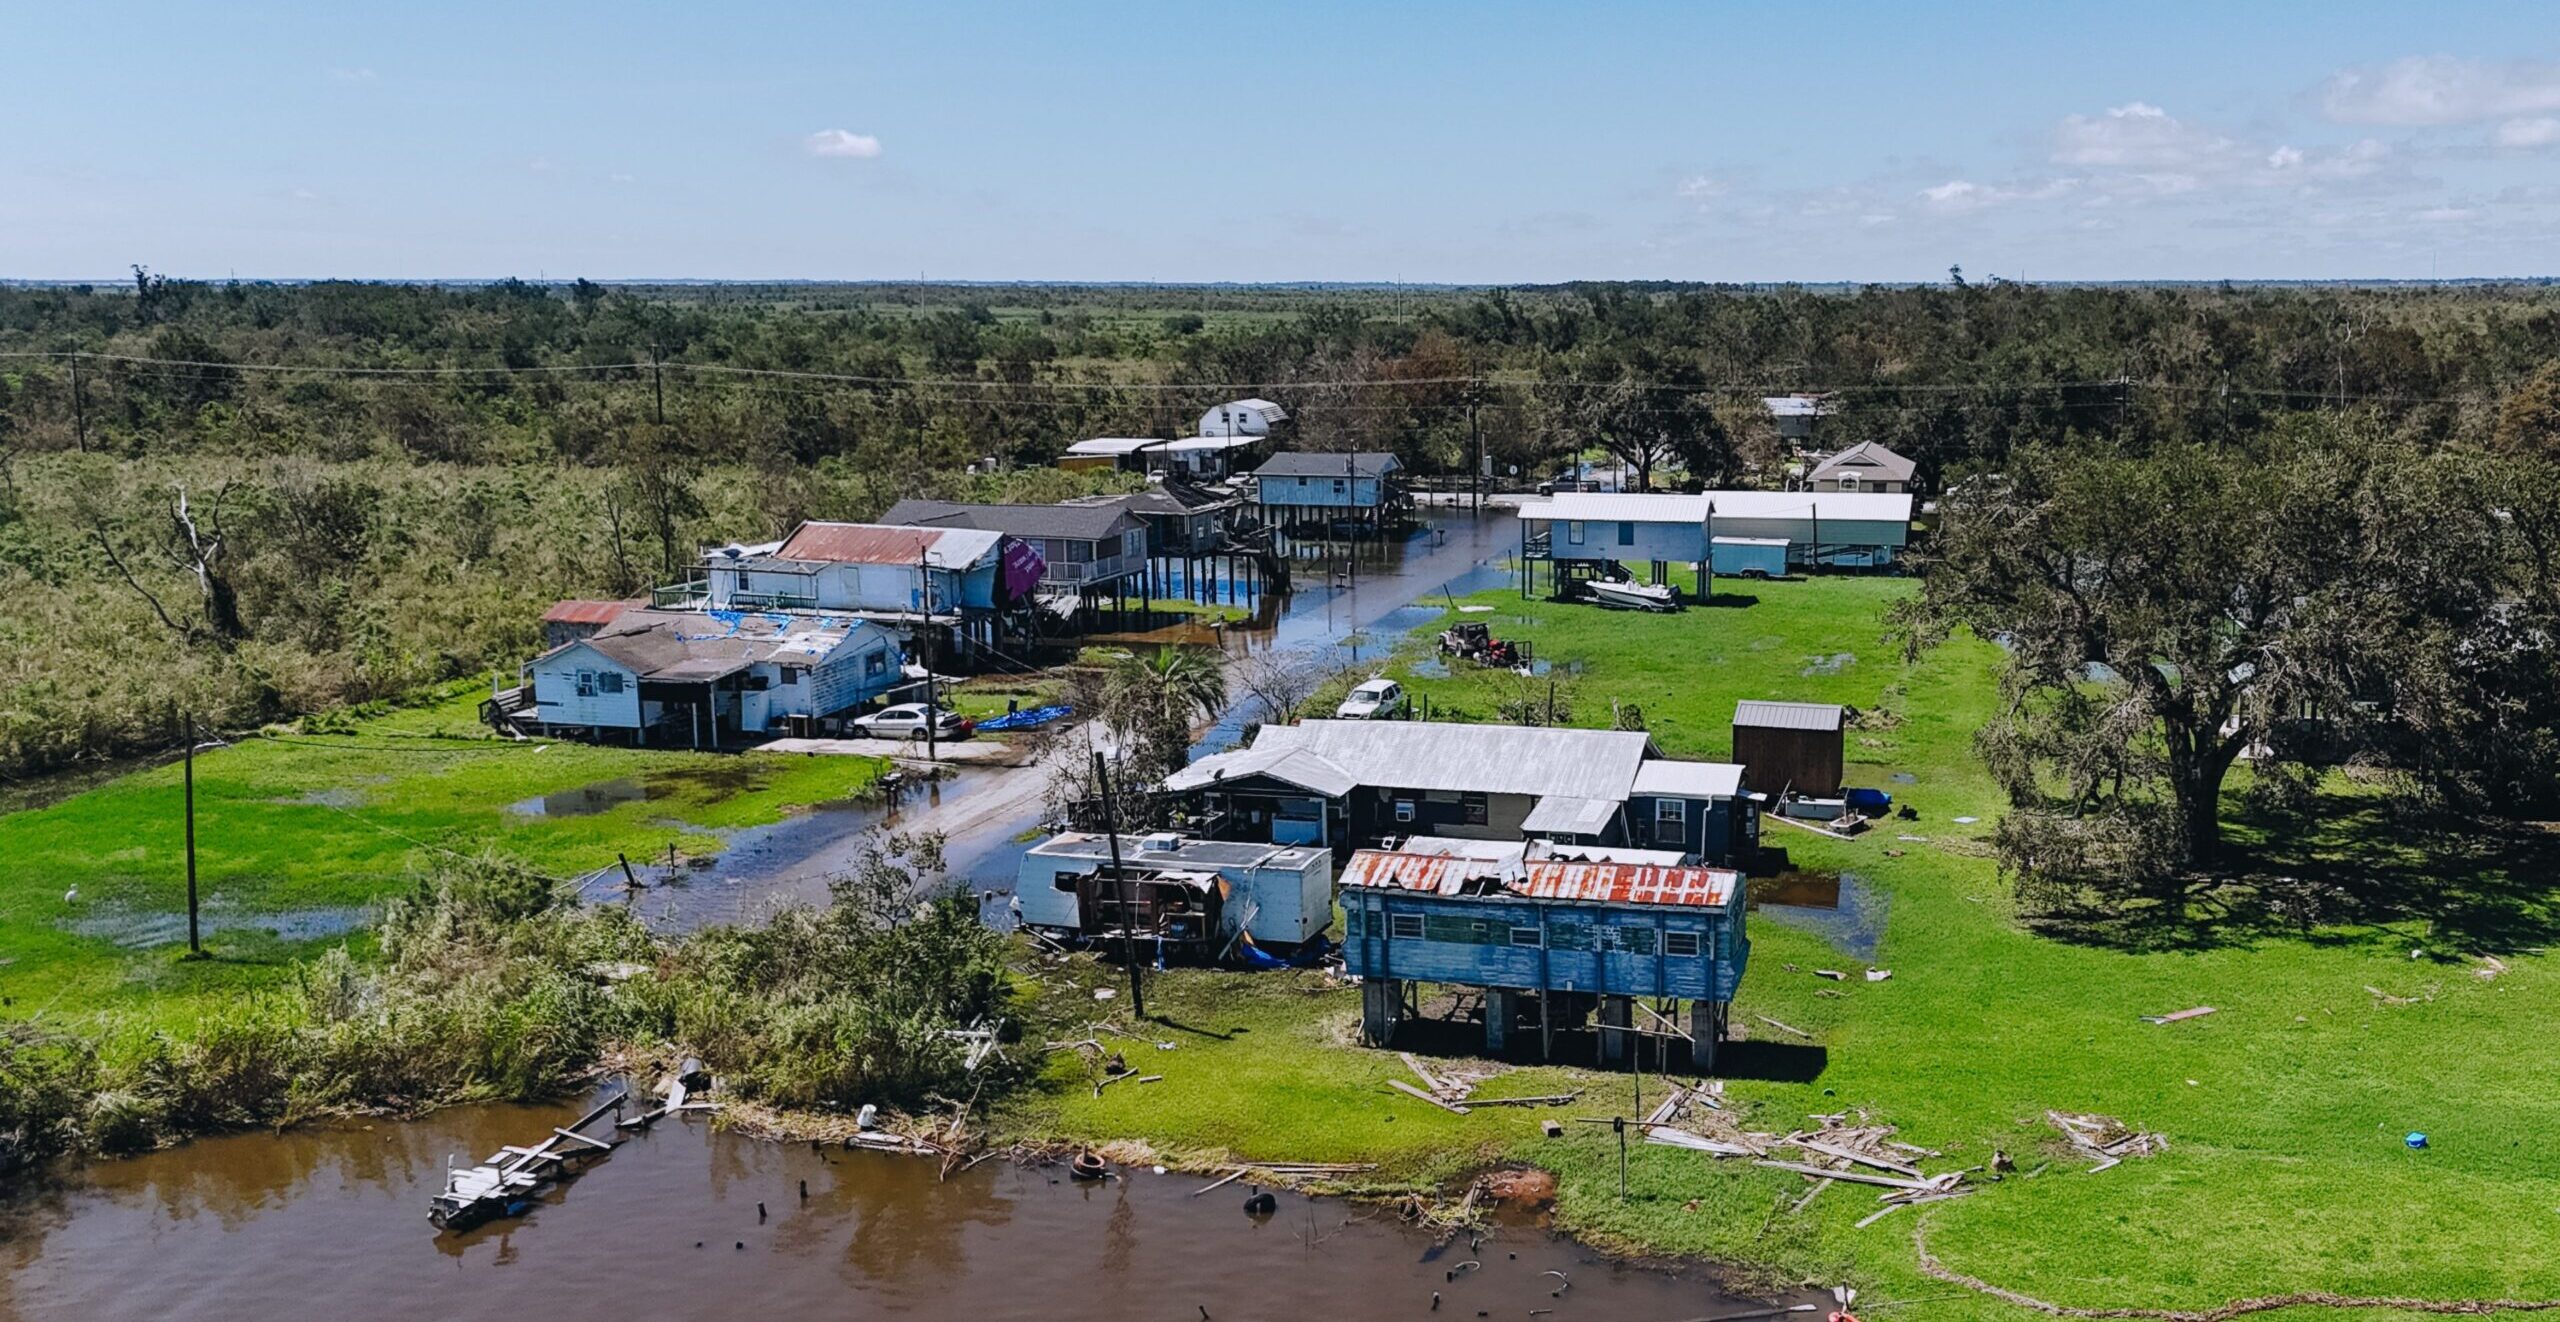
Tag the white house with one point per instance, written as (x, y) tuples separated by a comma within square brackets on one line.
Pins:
[(1866, 466), (1832, 528), (1243, 417), (699, 679)]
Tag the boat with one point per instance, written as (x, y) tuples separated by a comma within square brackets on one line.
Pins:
[(1628, 594), (508, 1182)]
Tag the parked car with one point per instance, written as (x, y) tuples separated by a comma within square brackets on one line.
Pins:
[(1377, 700), (906, 721)]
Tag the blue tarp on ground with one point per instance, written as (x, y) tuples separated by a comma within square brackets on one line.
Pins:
[(1025, 720)]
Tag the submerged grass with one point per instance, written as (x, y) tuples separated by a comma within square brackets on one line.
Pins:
[(288, 823), (2285, 1109)]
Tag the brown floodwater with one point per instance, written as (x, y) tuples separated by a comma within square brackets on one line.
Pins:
[(331, 1223)]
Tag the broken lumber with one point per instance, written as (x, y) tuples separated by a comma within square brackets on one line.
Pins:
[(1428, 1081), (1854, 1177), (1408, 1089), (1229, 1178), (1848, 1154), (1552, 1099), (1784, 1028), (2175, 1016)]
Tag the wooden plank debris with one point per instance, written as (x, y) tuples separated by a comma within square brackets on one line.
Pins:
[(1784, 1028), (1451, 1107), (2198, 1012), (1854, 1177)]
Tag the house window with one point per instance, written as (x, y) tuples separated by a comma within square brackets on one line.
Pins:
[(1404, 810), (794, 674), (1573, 532), (586, 683), (875, 664), (609, 681), (1527, 936), (1478, 808), (1671, 817), (1682, 945), (1604, 938), (1064, 881), (1404, 926), (1339, 486), (1626, 532)]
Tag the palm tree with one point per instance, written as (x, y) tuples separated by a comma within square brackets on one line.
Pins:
[(1155, 702)]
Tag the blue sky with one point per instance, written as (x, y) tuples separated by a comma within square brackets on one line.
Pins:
[(1410, 140)]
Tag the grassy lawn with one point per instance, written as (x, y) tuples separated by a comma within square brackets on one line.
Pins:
[(2285, 1110), (296, 833)]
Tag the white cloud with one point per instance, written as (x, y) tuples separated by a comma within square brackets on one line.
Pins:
[(352, 75), (2284, 158), (1703, 186), (2140, 136), (843, 143), (2528, 133), (2428, 90), (2446, 215), (1957, 196)]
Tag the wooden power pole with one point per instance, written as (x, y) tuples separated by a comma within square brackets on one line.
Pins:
[(1128, 900), (195, 935)]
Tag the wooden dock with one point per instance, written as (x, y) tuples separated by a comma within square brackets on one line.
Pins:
[(507, 1183)]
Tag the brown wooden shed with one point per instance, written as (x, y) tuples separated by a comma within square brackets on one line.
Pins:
[(1789, 746)]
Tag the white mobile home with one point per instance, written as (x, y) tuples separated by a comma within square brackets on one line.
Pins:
[(1819, 527), (1280, 895)]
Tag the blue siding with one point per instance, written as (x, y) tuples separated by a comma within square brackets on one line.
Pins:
[(1617, 950), (1323, 492)]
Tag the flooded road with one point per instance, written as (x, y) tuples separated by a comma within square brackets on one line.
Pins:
[(1340, 614), (331, 1223)]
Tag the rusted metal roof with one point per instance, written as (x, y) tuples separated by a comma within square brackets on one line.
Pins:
[(1586, 883), (586, 612), (878, 544)]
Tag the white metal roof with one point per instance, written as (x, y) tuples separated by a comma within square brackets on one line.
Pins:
[(1617, 507), (1483, 759), (1787, 715), (1291, 766), (1114, 444), (1795, 406), (1751, 541), (1558, 814), (1665, 778)]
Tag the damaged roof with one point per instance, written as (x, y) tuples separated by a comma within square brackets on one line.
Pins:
[(1544, 879), (693, 646), (587, 612), (1089, 523), (887, 544)]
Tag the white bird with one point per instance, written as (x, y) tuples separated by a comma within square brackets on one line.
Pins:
[(71, 896)]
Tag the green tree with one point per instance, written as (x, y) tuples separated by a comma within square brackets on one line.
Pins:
[(2530, 421), (1152, 704), (2161, 613)]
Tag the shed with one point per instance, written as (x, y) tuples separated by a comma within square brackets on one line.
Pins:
[(1790, 745), (1243, 417)]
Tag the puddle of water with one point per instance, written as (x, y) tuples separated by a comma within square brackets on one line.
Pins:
[(136, 929), (584, 801), (327, 798), (1904, 778), (1431, 667), (1843, 910), (684, 1223), (1829, 665)]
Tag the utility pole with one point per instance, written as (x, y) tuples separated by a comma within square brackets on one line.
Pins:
[(1475, 445), (657, 384), (924, 645), (79, 410), (195, 937), (1120, 878)]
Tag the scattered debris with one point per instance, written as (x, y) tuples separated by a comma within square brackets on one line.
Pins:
[(1878, 975), (2490, 967), (1784, 1028), (1834, 974), (2106, 1138), (2198, 1012)]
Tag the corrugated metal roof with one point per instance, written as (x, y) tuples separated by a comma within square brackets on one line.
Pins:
[(1483, 759), (699, 645), (586, 612), (1688, 780), (1558, 814), (1110, 445), (1299, 463), (1795, 406), (885, 544), (1787, 715), (1087, 523), (1290, 766), (1627, 507), (1547, 879)]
